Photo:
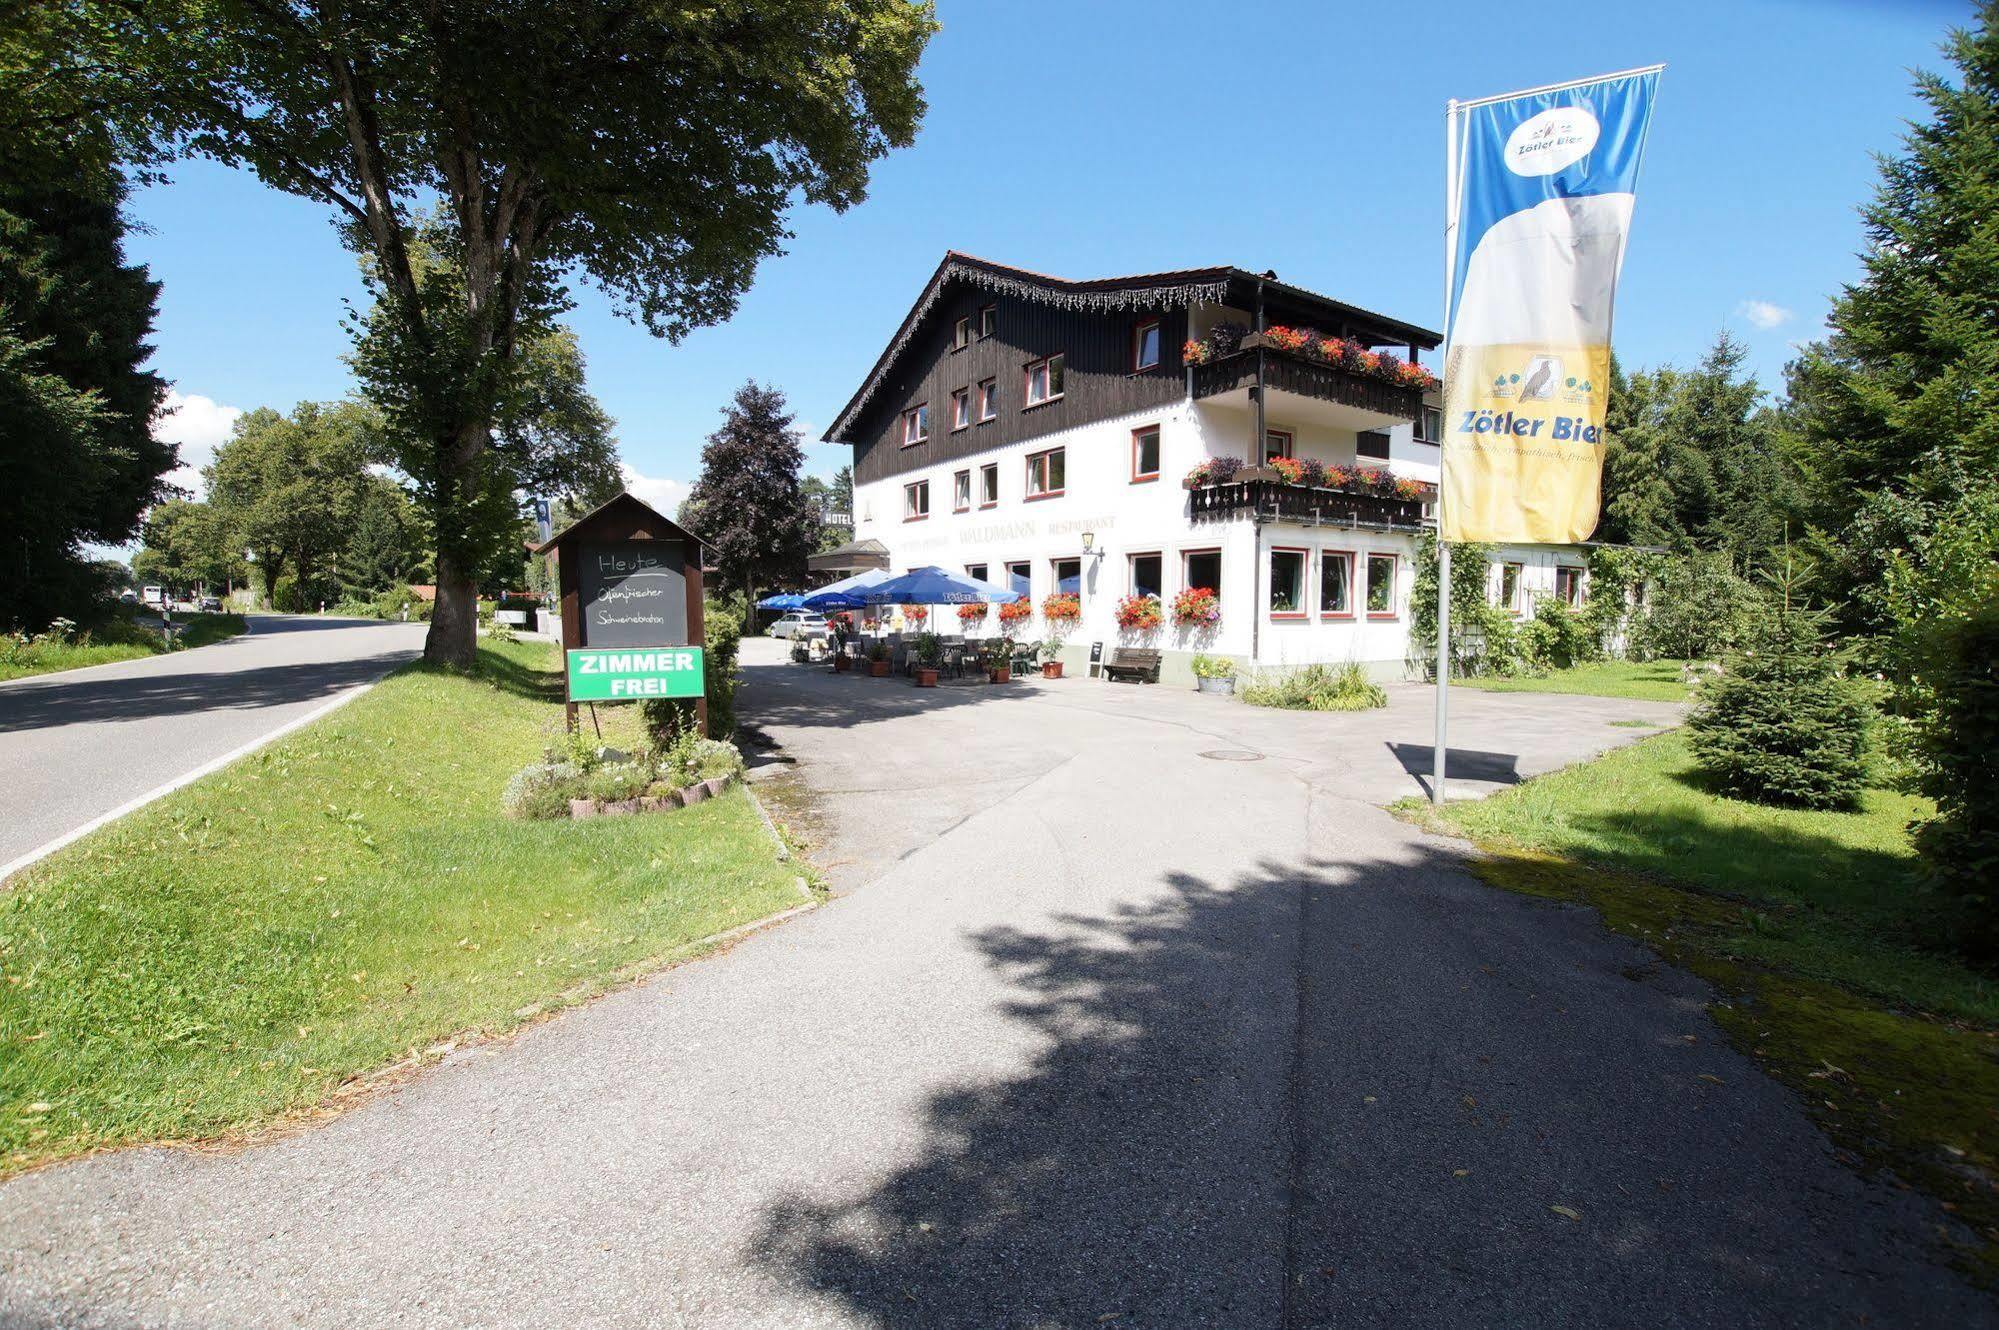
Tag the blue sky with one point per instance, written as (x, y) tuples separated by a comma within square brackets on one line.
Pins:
[(1103, 138)]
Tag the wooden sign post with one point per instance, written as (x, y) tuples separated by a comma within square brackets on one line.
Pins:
[(632, 624)]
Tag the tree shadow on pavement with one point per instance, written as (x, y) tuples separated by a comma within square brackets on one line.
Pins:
[(1375, 1093), (51, 700)]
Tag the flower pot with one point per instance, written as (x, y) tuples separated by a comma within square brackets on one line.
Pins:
[(1222, 686), (695, 793), (878, 669), (1051, 669), (926, 676), (582, 808), (842, 663), (1001, 675)]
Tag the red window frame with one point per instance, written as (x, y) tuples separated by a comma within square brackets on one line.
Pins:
[(1188, 584), (909, 492), (1027, 399), (916, 417), (1352, 558), (1304, 554), (1032, 458), (966, 476), (1055, 563), (1394, 583), (1138, 332), (989, 469), (1574, 576), (988, 398), (1131, 578), (1288, 449), (1026, 565), (1139, 477)]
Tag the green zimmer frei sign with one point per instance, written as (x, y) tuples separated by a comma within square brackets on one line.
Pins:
[(618, 674)]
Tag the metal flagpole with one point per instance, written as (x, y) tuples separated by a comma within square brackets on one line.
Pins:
[(1437, 758)]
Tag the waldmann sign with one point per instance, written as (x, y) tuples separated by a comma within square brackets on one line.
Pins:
[(619, 674)]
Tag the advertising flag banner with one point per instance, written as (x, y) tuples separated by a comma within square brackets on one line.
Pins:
[(1541, 191)]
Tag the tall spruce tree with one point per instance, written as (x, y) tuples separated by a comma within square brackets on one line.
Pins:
[(748, 505)]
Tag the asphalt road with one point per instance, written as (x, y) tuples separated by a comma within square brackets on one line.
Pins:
[(1134, 1010), (77, 745)]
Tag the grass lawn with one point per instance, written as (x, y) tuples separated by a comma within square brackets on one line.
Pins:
[(1810, 924), (1648, 681), (339, 901), (119, 640)]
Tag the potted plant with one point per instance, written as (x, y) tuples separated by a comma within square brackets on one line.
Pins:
[(928, 649), (842, 662), (1214, 674), (878, 660), (1140, 613), (1197, 607), (1051, 662), (1061, 611), (997, 656)]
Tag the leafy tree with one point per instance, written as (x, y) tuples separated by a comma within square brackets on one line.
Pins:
[(747, 505), (1782, 724), (290, 487), (652, 149), (189, 544)]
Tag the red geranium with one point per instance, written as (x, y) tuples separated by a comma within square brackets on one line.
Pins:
[(1140, 614), (915, 614), (1197, 607), (1062, 607), (971, 614), (1016, 611)]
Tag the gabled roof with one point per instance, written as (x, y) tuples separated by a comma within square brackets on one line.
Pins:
[(620, 499), (1223, 284)]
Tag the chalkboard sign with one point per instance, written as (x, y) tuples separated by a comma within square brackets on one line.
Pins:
[(633, 594)]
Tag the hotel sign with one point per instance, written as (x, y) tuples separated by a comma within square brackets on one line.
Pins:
[(624, 674)]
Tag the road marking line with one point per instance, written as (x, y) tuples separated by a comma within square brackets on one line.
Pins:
[(207, 768)]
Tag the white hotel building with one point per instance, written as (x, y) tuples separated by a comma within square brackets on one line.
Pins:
[(1037, 433)]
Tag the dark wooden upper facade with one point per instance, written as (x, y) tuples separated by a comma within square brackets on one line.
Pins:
[(1092, 325)]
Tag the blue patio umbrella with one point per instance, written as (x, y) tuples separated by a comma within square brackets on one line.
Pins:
[(934, 586), (784, 600), (844, 594)]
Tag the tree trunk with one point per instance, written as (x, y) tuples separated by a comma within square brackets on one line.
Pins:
[(454, 618)]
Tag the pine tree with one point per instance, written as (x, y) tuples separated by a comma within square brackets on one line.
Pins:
[(378, 552), (747, 505)]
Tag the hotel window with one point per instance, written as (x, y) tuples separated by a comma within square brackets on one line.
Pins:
[(1068, 575), (1335, 584), (1145, 345), (961, 334), (1430, 425), (1148, 575), (1201, 568), (961, 408), (988, 320), (988, 400), (1371, 443), (1381, 586), (1044, 381), (1046, 473), (1020, 577), (1145, 453), (989, 484), (1569, 585), (961, 492), (1509, 587), (916, 501), (977, 571), (1276, 443), (1287, 584), (916, 424)]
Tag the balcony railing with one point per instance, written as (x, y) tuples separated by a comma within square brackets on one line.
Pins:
[(1289, 372), (1277, 501)]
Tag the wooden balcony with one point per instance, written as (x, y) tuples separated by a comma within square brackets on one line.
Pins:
[(1289, 372), (1275, 501)]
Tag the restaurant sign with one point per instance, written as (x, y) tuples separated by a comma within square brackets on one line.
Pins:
[(625, 674)]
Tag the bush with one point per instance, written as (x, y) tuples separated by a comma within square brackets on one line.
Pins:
[(1557, 638), (618, 780), (1212, 667), (542, 790), (1960, 751), (1699, 608), (667, 717), (1318, 688), (1782, 724)]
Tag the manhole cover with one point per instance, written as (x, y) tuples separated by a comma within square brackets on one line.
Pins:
[(1232, 755)]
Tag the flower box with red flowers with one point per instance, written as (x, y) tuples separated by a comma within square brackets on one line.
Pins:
[(1018, 611), (1063, 607), (1197, 607), (969, 615), (1140, 614)]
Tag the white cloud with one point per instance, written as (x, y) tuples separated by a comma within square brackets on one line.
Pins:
[(661, 492), (196, 426), (1764, 314)]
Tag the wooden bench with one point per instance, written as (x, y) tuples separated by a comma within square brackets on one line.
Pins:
[(1133, 663)]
